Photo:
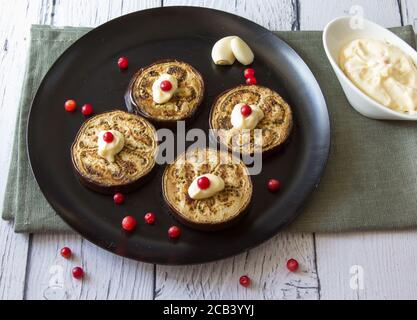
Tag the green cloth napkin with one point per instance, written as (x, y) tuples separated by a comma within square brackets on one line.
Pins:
[(370, 182), (23, 200)]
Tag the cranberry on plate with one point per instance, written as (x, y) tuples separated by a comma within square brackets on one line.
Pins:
[(174, 232), (246, 111), (150, 218), (249, 73), (119, 198), (87, 110), (108, 137), (166, 86), (129, 223), (251, 81), (204, 183), (274, 185), (123, 63), (70, 105)]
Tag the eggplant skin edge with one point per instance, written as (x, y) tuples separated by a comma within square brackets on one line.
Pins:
[(105, 189)]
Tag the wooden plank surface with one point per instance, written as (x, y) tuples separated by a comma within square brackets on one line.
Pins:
[(329, 263), (109, 276), (13, 53), (13, 42), (387, 258), (266, 264), (314, 15), (91, 13), (13, 261), (387, 261), (409, 12), (272, 14)]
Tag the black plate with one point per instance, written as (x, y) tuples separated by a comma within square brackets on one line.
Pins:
[(87, 72)]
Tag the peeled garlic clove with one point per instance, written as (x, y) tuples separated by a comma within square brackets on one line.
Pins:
[(222, 52), (242, 51)]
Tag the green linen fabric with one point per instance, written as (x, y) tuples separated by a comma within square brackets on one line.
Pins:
[(370, 182)]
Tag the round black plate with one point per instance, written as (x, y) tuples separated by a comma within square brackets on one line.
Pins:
[(88, 72)]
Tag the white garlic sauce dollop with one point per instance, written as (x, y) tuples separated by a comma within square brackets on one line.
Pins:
[(216, 185), (228, 49)]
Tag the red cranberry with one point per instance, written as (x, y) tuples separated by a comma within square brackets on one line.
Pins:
[(66, 252), (292, 265), (78, 273), (204, 183), (251, 81), (274, 185), (108, 137), (129, 223), (166, 86), (249, 73), (123, 63), (150, 218), (246, 111), (119, 198), (70, 106), (87, 110), (174, 232), (244, 281)]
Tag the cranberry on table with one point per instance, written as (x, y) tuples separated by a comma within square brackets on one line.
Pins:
[(70, 106), (204, 183), (174, 232), (119, 198), (249, 73), (251, 81), (129, 223), (166, 86), (87, 110), (292, 265), (108, 137), (66, 252), (123, 63), (244, 281), (274, 185), (78, 273), (246, 111), (150, 218)]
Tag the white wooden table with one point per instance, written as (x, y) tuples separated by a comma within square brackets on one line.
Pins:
[(30, 264)]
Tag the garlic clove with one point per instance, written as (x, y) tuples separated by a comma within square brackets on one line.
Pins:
[(242, 51), (222, 53)]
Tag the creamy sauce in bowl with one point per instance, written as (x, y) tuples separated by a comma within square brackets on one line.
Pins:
[(383, 72)]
